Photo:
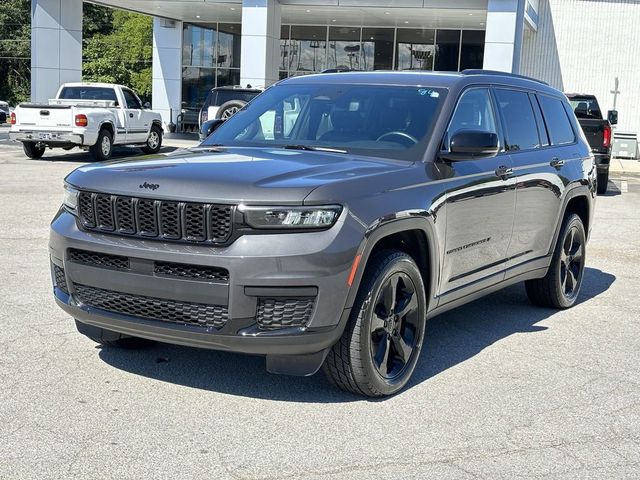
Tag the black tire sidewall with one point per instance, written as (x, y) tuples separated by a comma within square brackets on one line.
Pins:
[(603, 182), (97, 148), (562, 300), (395, 262), (32, 151)]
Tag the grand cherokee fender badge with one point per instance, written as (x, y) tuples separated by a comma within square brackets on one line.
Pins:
[(150, 186)]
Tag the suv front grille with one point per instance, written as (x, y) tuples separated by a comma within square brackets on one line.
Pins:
[(98, 259), (159, 219), (284, 312), (152, 308)]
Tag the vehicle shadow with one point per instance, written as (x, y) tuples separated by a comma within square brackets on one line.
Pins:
[(452, 338), (80, 156), (612, 190)]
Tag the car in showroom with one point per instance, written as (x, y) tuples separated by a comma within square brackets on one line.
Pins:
[(324, 223)]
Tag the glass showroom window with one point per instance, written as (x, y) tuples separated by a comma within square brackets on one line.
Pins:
[(210, 58), (377, 48), (308, 49), (415, 49), (344, 48), (472, 51), (447, 50)]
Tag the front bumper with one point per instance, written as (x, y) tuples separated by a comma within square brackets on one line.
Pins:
[(310, 265), (47, 137)]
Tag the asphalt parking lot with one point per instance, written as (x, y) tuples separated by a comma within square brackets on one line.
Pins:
[(503, 389)]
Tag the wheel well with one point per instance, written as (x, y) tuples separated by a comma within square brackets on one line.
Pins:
[(157, 123), (108, 127), (580, 206), (411, 242)]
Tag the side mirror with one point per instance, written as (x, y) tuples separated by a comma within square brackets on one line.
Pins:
[(146, 105), (210, 126), (612, 116), (471, 144)]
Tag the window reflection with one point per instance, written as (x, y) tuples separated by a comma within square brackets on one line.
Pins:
[(228, 45), (472, 51), (344, 48), (415, 49), (308, 47), (377, 48)]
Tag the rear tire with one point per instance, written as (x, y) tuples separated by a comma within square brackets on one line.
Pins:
[(560, 287), (380, 346), (154, 142), (103, 148), (603, 182), (31, 150)]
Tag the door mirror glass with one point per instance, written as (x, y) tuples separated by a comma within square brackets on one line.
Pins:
[(146, 105), (471, 144), (612, 116), (209, 127)]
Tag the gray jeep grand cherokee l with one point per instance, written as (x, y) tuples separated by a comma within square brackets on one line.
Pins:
[(327, 221)]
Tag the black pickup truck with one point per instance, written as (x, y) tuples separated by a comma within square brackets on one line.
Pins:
[(597, 130)]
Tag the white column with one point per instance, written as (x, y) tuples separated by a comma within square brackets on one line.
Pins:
[(503, 40), (166, 93), (56, 46), (260, 54)]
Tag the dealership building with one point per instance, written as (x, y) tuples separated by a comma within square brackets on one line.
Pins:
[(574, 45)]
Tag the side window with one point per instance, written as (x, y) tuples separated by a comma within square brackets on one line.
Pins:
[(131, 99), (473, 112), (518, 120), (542, 129), (557, 120)]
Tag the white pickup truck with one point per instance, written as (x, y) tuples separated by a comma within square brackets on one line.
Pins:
[(92, 116)]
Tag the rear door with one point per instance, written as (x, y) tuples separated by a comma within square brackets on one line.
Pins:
[(479, 206), (137, 125), (538, 165)]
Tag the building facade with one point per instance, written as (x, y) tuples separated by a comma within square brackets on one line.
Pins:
[(200, 44)]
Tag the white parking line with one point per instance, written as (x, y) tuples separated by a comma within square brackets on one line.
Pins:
[(624, 186)]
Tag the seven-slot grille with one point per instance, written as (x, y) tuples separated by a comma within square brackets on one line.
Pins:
[(160, 219)]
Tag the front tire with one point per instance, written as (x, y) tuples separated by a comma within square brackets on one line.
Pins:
[(603, 182), (103, 148), (560, 287), (380, 346), (154, 142), (33, 151)]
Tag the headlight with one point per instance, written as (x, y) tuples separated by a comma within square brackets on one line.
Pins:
[(291, 217), (70, 200)]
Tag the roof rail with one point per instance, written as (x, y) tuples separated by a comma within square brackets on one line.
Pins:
[(495, 72)]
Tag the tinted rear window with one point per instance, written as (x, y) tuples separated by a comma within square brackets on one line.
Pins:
[(586, 107), (226, 95), (519, 120), (88, 93), (558, 124)]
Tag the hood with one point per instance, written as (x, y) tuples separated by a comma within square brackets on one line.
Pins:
[(228, 175)]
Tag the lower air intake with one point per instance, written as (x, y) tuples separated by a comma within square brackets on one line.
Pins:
[(284, 312)]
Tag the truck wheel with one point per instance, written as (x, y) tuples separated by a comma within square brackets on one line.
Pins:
[(229, 109), (154, 142), (104, 146), (603, 182), (380, 346), (560, 287), (32, 151)]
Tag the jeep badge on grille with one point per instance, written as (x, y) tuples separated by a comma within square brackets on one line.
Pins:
[(150, 186)]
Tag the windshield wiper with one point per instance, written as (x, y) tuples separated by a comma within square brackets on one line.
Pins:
[(312, 148)]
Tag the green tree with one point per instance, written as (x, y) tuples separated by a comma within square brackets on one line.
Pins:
[(121, 53), (15, 50)]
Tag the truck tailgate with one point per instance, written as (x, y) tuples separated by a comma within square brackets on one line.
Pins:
[(594, 131), (44, 117)]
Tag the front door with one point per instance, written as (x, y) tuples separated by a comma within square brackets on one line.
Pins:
[(137, 130), (479, 205)]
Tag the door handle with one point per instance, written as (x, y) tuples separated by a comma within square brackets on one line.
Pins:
[(556, 162), (504, 171), (131, 115)]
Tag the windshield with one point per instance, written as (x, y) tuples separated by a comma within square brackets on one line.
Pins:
[(374, 120), (585, 107)]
